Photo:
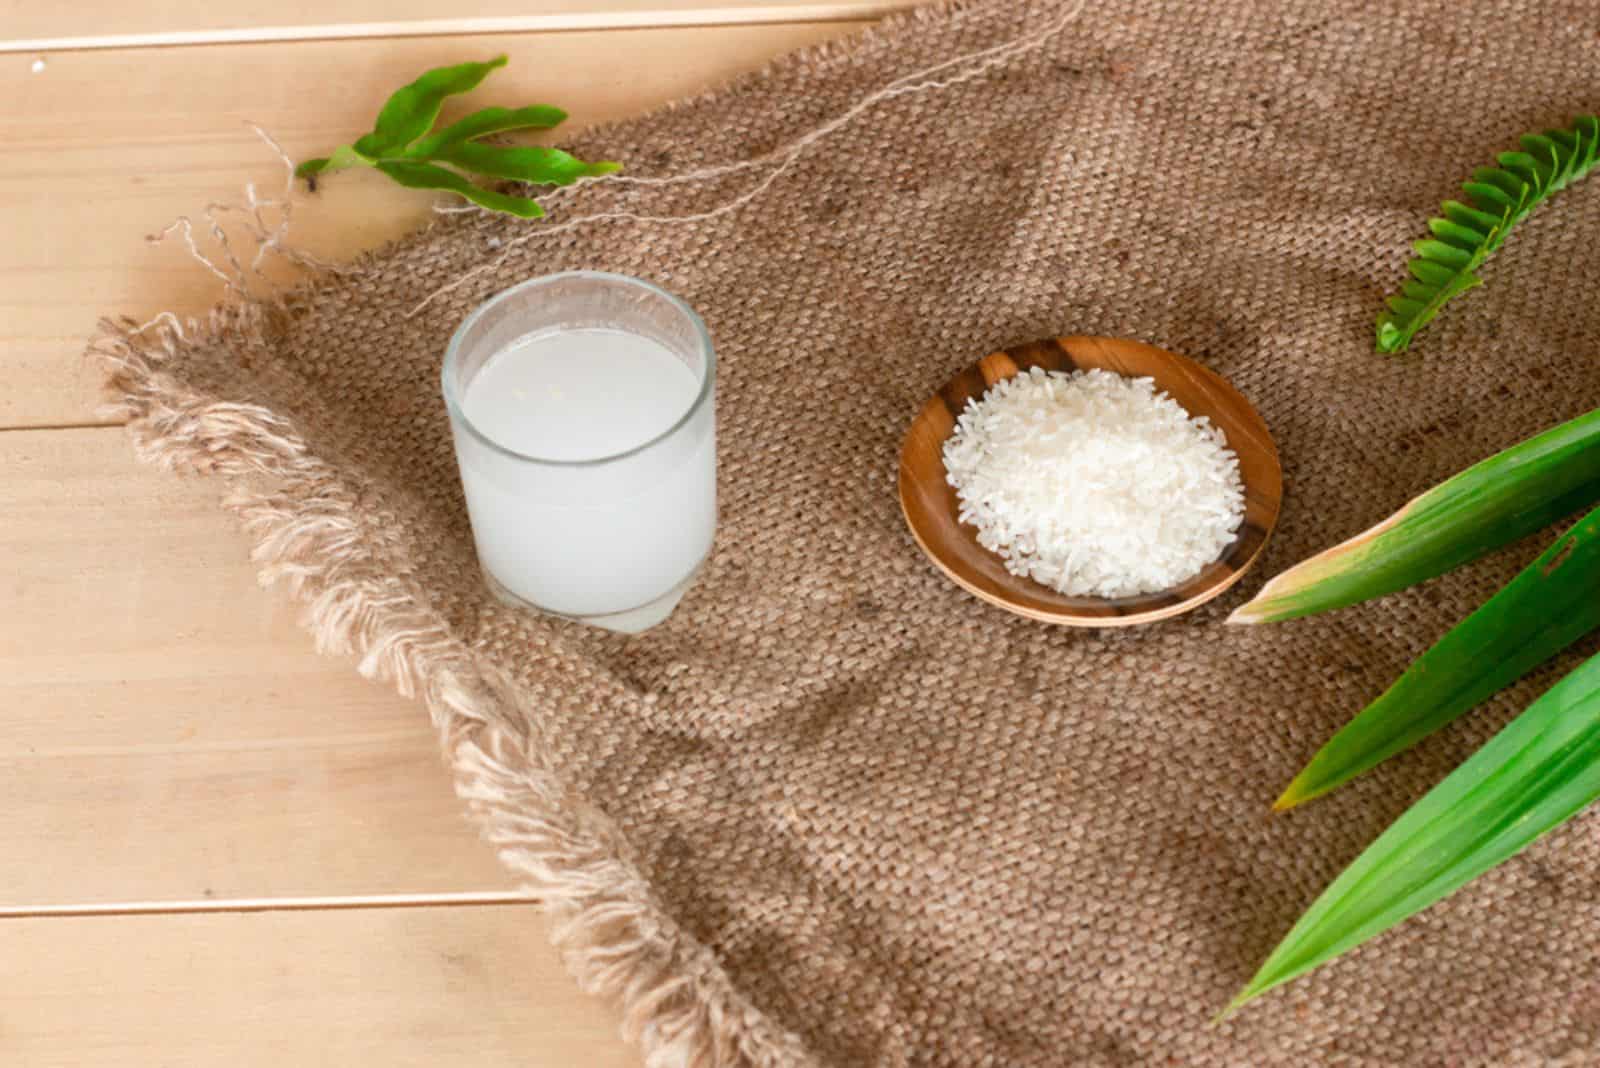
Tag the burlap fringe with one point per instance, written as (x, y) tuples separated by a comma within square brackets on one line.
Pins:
[(309, 535)]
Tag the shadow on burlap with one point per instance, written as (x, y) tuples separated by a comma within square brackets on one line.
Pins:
[(838, 812)]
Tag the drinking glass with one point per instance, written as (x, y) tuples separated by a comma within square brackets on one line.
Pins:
[(609, 518)]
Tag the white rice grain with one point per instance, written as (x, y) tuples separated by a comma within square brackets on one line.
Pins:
[(1094, 484)]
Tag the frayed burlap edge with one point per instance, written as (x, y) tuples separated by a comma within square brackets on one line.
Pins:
[(309, 535)]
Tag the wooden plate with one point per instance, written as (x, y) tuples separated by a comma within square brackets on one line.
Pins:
[(931, 507)]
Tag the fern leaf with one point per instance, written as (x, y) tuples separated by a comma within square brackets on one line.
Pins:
[(1463, 237)]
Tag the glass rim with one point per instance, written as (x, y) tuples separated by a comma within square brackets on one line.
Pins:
[(452, 357)]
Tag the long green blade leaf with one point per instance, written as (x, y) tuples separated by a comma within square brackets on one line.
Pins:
[(427, 176), (410, 112), (1501, 197), (1551, 604), (485, 122), (524, 163), (1490, 504), (1529, 778)]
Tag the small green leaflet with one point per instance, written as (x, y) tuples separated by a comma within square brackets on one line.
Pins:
[(415, 175), (410, 112), (524, 163), (401, 146), (489, 121), (1446, 264)]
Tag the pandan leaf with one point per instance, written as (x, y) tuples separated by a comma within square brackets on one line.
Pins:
[(1511, 494), (1535, 774), (1501, 197), (410, 112), (401, 147), (485, 122), (524, 163), (428, 176), (1551, 604)]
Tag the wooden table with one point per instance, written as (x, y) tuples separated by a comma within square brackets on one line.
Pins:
[(217, 847)]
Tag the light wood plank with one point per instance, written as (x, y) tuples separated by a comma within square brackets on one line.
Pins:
[(103, 148), (429, 988), (43, 28), (168, 733)]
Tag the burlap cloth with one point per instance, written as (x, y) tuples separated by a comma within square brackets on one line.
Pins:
[(838, 812)]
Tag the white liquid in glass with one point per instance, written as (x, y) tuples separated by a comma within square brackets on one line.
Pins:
[(580, 394), (588, 539)]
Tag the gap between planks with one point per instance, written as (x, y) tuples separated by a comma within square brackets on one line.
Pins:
[(272, 904), (570, 22), (100, 425)]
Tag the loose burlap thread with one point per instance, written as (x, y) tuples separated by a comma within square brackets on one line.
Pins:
[(835, 811)]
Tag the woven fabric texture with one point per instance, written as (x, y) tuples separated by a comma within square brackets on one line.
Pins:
[(836, 811)]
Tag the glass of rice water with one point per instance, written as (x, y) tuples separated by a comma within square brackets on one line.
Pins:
[(583, 410)]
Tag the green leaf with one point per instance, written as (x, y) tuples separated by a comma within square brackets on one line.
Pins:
[(427, 176), (1501, 197), (1494, 502), (1491, 197), (524, 163), (1482, 221), (1404, 305), (401, 147), (1515, 188), (347, 156), (485, 122), (343, 156), (1457, 259), (1547, 607), (1532, 776), (1527, 169), (410, 112), (1457, 234), (1432, 273)]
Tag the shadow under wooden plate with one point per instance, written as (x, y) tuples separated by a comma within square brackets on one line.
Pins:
[(931, 507)]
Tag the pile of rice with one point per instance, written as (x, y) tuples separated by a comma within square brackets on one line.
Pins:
[(1094, 484)]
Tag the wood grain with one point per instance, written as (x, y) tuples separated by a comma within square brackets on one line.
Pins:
[(105, 24), (402, 988), (932, 509), (90, 172), (168, 733)]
